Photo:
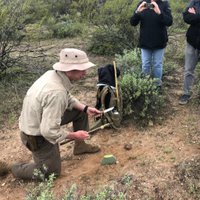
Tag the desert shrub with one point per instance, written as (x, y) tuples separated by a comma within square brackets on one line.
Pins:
[(169, 67), (67, 29), (64, 26), (12, 22), (113, 32), (37, 32), (141, 99), (13, 86), (129, 61), (178, 7), (43, 191), (106, 42)]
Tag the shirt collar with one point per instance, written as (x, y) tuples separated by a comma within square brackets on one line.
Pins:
[(65, 80)]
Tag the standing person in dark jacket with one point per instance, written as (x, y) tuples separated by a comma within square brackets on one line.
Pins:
[(154, 16), (192, 52)]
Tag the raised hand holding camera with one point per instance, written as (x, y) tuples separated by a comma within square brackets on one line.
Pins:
[(155, 7), (144, 5), (149, 6), (141, 7)]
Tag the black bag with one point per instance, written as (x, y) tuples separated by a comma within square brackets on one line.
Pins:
[(108, 96)]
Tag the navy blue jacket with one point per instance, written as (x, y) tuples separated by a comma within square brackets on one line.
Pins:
[(193, 32), (153, 27)]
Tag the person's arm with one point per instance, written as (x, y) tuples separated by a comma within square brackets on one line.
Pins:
[(76, 104), (53, 106), (191, 17), (165, 14), (77, 135), (135, 19)]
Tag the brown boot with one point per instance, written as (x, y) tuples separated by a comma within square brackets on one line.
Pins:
[(81, 147)]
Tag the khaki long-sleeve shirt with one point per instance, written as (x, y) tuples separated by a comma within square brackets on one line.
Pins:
[(44, 105)]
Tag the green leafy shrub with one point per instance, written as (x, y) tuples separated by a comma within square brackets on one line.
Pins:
[(129, 61), (13, 86), (106, 42), (64, 26), (169, 67), (37, 32), (113, 32), (178, 7), (67, 29), (141, 99)]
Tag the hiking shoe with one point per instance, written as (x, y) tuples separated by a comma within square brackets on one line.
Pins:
[(82, 147), (184, 99)]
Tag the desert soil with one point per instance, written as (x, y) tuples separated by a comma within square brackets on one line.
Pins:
[(157, 162)]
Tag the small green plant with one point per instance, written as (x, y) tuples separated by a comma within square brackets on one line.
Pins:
[(167, 150), (127, 180), (71, 193), (43, 190)]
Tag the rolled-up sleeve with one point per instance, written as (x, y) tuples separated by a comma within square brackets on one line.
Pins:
[(71, 101)]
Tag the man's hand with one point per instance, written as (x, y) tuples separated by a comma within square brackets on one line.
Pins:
[(78, 135), (93, 112)]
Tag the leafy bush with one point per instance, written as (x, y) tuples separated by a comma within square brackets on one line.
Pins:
[(129, 61), (106, 42), (67, 29), (13, 86), (12, 22), (37, 32), (64, 26), (141, 99), (113, 32), (178, 7)]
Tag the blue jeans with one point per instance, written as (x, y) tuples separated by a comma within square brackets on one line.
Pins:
[(152, 63), (191, 60)]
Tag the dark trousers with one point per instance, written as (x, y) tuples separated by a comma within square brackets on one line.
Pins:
[(46, 155)]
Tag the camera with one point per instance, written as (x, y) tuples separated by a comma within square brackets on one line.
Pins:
[(149, 5)]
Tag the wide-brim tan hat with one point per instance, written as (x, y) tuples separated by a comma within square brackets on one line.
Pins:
[(72, 59)]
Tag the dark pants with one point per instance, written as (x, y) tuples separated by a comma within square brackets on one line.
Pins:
[(46, 155)]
